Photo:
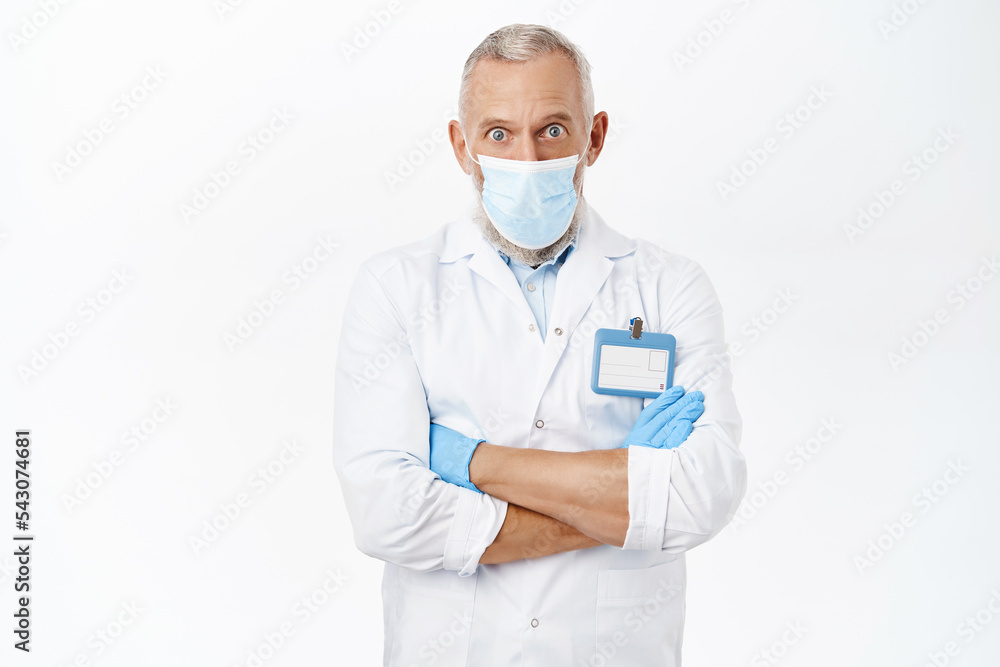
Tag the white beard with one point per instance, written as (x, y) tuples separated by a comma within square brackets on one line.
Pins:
[(533, 258)]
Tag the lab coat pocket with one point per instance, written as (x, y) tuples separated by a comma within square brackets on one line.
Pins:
[(435, 612), (640, 615), (609, 418)]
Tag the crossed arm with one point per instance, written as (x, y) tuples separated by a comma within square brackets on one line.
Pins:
[(560, 501), (557, 501)]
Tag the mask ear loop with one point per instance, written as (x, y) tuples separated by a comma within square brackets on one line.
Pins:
[(470, 154)]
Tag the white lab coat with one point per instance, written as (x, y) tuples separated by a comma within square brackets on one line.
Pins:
[(438, 330)]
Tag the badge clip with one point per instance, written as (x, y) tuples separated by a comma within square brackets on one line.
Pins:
[(636, 324)]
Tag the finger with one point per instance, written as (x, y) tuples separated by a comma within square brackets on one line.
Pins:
[(691, 411), (668, 397), (674, 434), (688, 415), (665, 416), (682, 429)]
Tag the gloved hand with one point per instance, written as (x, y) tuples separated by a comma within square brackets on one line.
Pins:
[(667, 421), (451, 453)]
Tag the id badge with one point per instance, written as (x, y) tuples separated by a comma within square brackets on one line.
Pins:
[(630, 362)]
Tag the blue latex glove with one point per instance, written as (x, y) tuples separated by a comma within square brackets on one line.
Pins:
[(675, 433), (451, 453), (667, 421)]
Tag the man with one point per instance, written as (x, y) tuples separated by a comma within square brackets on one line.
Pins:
[(523, 518)]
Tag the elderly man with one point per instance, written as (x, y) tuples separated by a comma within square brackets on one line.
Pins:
[(525, 519)]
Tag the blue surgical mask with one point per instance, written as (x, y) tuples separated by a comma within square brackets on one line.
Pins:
[(531, 203)]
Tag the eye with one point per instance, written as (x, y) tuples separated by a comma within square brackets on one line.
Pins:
[(554, 131), (497, 134)]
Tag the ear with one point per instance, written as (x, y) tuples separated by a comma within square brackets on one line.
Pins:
[(598, 133), (457, 138)]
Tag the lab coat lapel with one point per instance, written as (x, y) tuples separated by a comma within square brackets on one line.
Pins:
[(464, 238), (579, 280), (487, 263)]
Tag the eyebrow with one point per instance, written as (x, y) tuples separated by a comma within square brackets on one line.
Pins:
[(493, 121)]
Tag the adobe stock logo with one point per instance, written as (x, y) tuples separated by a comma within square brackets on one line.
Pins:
[(59, 340), (924, 500), (124, 105), (968, 629), (705, 38), (899, 17), (795, 459), (218, 180), (927, 329), (787, 126), (883, 199), (363, 35), (30, 25)]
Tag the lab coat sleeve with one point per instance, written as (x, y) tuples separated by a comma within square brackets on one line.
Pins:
[(682, 497), (401, 511)]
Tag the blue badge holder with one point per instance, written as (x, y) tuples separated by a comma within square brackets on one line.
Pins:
[(640, 366)]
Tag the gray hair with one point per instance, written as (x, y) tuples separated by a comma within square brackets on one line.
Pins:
[(520, 42)]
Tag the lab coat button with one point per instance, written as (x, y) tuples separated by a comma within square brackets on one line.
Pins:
[(531, 287), (534, 622), (531, 327), (558, 331), (539, 423)]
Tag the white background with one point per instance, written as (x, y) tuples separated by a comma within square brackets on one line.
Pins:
[(678, 131)]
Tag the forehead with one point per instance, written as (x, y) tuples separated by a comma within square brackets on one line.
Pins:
[(518, 90)]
